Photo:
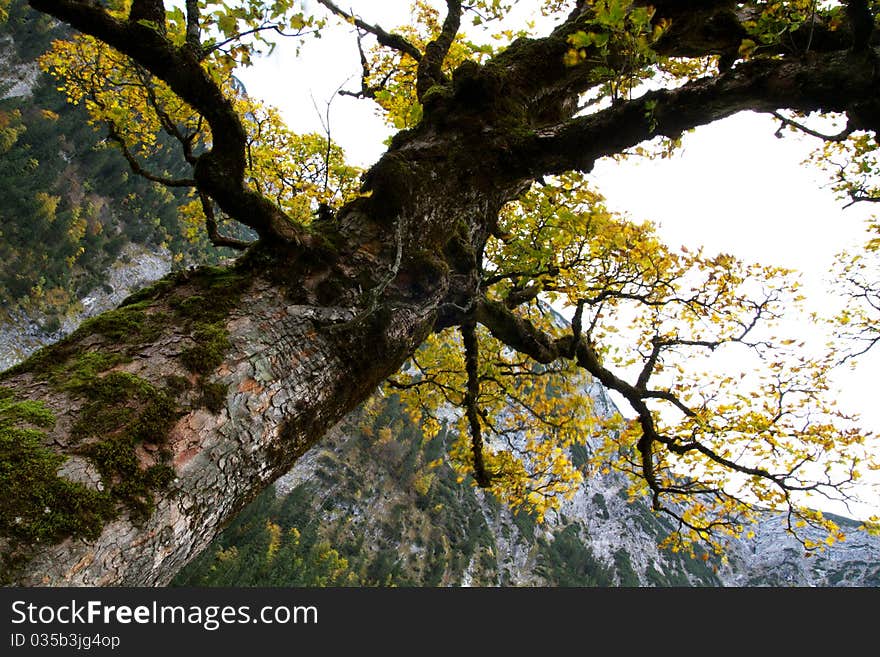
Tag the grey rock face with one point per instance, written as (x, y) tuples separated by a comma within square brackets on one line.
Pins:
[(136, 267), (17, 78), (776, 558), (600, 535)]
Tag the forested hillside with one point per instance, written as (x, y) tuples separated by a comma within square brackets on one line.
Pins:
[(373, 507), (69, 203), (379, 505)]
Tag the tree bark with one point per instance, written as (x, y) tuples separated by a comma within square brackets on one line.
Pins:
[(289, 372), (291, 338)]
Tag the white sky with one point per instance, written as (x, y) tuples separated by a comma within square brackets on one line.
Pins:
[(733, 187), (736, 188)]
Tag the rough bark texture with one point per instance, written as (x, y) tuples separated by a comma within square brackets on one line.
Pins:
[(286, 379), (250, 367)]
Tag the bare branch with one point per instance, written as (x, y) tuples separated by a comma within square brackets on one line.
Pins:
[(137, 168), (859, 197), (472, 359), (785, 121), (522, 335), (325, 124), (265, 27), (168, 125), (387, 39), (367, 90)]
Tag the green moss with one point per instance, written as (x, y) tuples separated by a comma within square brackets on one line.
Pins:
[(220, 288), (117, 392), (204, 312), (123, 418), (120, 413), (427, 270), (45, 360), (390, 183), (107, 409), (83, 369), (458, 251), (152, 292), (123, 412), (214, 396), (435, 97), (45, 507), (132, 486), (176, 385), (190, 307), (125, 325), (27, 411), (211, 343)]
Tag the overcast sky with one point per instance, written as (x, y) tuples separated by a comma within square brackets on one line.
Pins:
[(732, 188)]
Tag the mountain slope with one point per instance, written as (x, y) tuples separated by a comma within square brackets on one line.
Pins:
[(69, 205), (365, 510), (370, 495)]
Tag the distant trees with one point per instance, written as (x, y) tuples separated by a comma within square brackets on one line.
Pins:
[(68, 204)]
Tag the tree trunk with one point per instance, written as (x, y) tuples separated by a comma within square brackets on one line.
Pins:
[(179, 407), (214, 382), (287, 372)]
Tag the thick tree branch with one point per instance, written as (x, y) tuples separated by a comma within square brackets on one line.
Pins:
[(832, 82), (472, 395), (861, 22), (150, 11), (193, 29), (214, 233), (430, 71), (694, 29), (220, 172)]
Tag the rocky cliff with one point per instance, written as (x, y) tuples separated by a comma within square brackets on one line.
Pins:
[(367, 504), (23, 333)]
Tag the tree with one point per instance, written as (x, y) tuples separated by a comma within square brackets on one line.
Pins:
[(135, 439)]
